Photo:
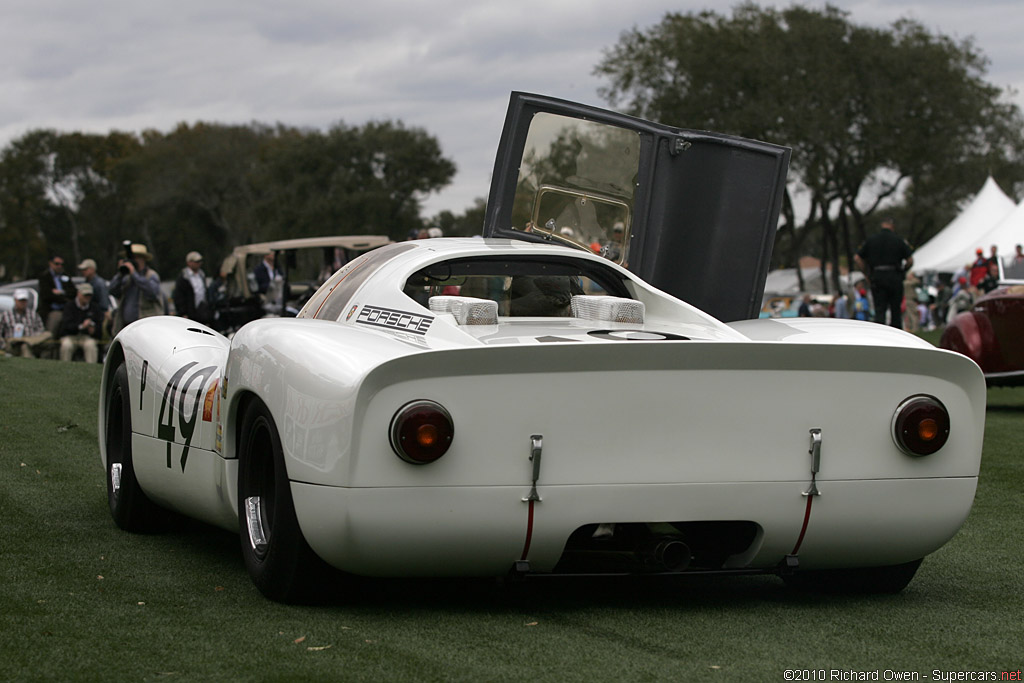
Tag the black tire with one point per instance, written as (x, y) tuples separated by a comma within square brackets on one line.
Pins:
[(863, 580), (129, 506), (279, 561)]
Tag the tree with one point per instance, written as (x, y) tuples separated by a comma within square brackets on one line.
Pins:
[(466, 224), (877, 117), (350, 180), (208, 187), (24, 207)]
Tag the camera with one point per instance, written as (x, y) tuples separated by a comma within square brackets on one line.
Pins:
[(127, 245)]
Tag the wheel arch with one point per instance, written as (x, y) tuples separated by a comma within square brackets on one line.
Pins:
[(970, 334)]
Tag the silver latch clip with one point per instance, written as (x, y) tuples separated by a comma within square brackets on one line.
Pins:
[(815, 452), (536, 445)]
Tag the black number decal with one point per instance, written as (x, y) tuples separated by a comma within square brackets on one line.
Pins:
[(142, 384), (165, 429)]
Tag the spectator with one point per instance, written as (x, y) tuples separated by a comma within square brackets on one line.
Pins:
[(979, 269), (265, 272), (885, 257), (962, 301), (943, 295), (1018, 257), (805, 307), (82, 326), (842, 306), (991, 280), (138, 288), (190, 298), (861, 305), (100, 293), (22, 330), (55, 290)]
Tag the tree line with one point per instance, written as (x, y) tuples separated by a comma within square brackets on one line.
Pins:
[(208, 187), (895, 119)]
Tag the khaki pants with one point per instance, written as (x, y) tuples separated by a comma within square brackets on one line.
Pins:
[(85, 342), (26, 346)]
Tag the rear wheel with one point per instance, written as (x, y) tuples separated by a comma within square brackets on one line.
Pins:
[(129, 506), (862, 580), (280, 562)]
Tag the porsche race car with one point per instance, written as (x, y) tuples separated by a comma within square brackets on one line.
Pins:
[(532, 407)]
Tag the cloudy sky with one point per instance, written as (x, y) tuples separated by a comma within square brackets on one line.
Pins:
[(446, 65)]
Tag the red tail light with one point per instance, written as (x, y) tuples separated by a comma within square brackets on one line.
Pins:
[(421, 432), (920, 425)]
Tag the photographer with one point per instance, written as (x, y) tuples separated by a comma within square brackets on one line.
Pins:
[(137, 286)]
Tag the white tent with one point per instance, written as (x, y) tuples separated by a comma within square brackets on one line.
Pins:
[(1006, 235), (954, 245)]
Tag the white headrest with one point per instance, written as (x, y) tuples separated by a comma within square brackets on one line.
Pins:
[(466, 309), (609, 308)]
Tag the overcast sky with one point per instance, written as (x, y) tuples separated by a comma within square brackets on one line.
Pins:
[(446, 66)]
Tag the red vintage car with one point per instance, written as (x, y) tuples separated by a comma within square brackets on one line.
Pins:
[(992, 333)]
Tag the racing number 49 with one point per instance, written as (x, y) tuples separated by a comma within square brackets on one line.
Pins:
[(178, 389)]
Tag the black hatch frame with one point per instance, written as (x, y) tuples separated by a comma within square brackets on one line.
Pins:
[(702, 212)]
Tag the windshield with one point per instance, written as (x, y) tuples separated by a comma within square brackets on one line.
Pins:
[(577, 182)]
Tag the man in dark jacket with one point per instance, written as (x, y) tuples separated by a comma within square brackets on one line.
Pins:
[(190, 290), (82, 326), (55, 291), (885, 257)]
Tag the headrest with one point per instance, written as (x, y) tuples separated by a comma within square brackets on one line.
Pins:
[(608, 308), (466, 309)]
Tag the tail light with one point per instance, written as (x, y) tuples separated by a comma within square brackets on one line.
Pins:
[(920, 425), (421, 432)]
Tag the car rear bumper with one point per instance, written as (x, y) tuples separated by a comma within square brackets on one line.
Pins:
[(482, 531)]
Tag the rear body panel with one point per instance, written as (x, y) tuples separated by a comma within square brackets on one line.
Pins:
[(686, 436)]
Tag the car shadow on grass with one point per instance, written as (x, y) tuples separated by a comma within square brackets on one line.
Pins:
[(217, 551)]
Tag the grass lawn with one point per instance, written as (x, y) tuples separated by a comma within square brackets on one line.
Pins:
[(83, 600)]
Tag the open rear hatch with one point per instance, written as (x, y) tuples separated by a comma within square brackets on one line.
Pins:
[(692, 212)]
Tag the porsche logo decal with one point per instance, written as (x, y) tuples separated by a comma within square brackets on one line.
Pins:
[(393, 319)]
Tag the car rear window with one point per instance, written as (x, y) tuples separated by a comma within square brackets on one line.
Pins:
[(521, 287), (331, 300)]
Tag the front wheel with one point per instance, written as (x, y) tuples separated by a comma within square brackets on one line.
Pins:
[(862, 580), (129, 506), (279, 560)]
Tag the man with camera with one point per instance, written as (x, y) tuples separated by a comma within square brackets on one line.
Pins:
[(137, 286)]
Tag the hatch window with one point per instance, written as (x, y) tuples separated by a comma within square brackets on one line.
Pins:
[(577, 183)]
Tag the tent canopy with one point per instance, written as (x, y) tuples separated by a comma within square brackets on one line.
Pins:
[(955, 244)]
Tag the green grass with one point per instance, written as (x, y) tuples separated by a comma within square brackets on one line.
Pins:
[(83, 600)]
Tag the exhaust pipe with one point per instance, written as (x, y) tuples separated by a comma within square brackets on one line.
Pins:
[(666, 554)]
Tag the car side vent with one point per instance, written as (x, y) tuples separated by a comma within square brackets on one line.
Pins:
[(466, 309), (608, 308)]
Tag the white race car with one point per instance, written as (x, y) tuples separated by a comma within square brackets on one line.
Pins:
[(486, 407)]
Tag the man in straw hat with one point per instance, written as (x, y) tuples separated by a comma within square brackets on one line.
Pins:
[(137, 286)]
